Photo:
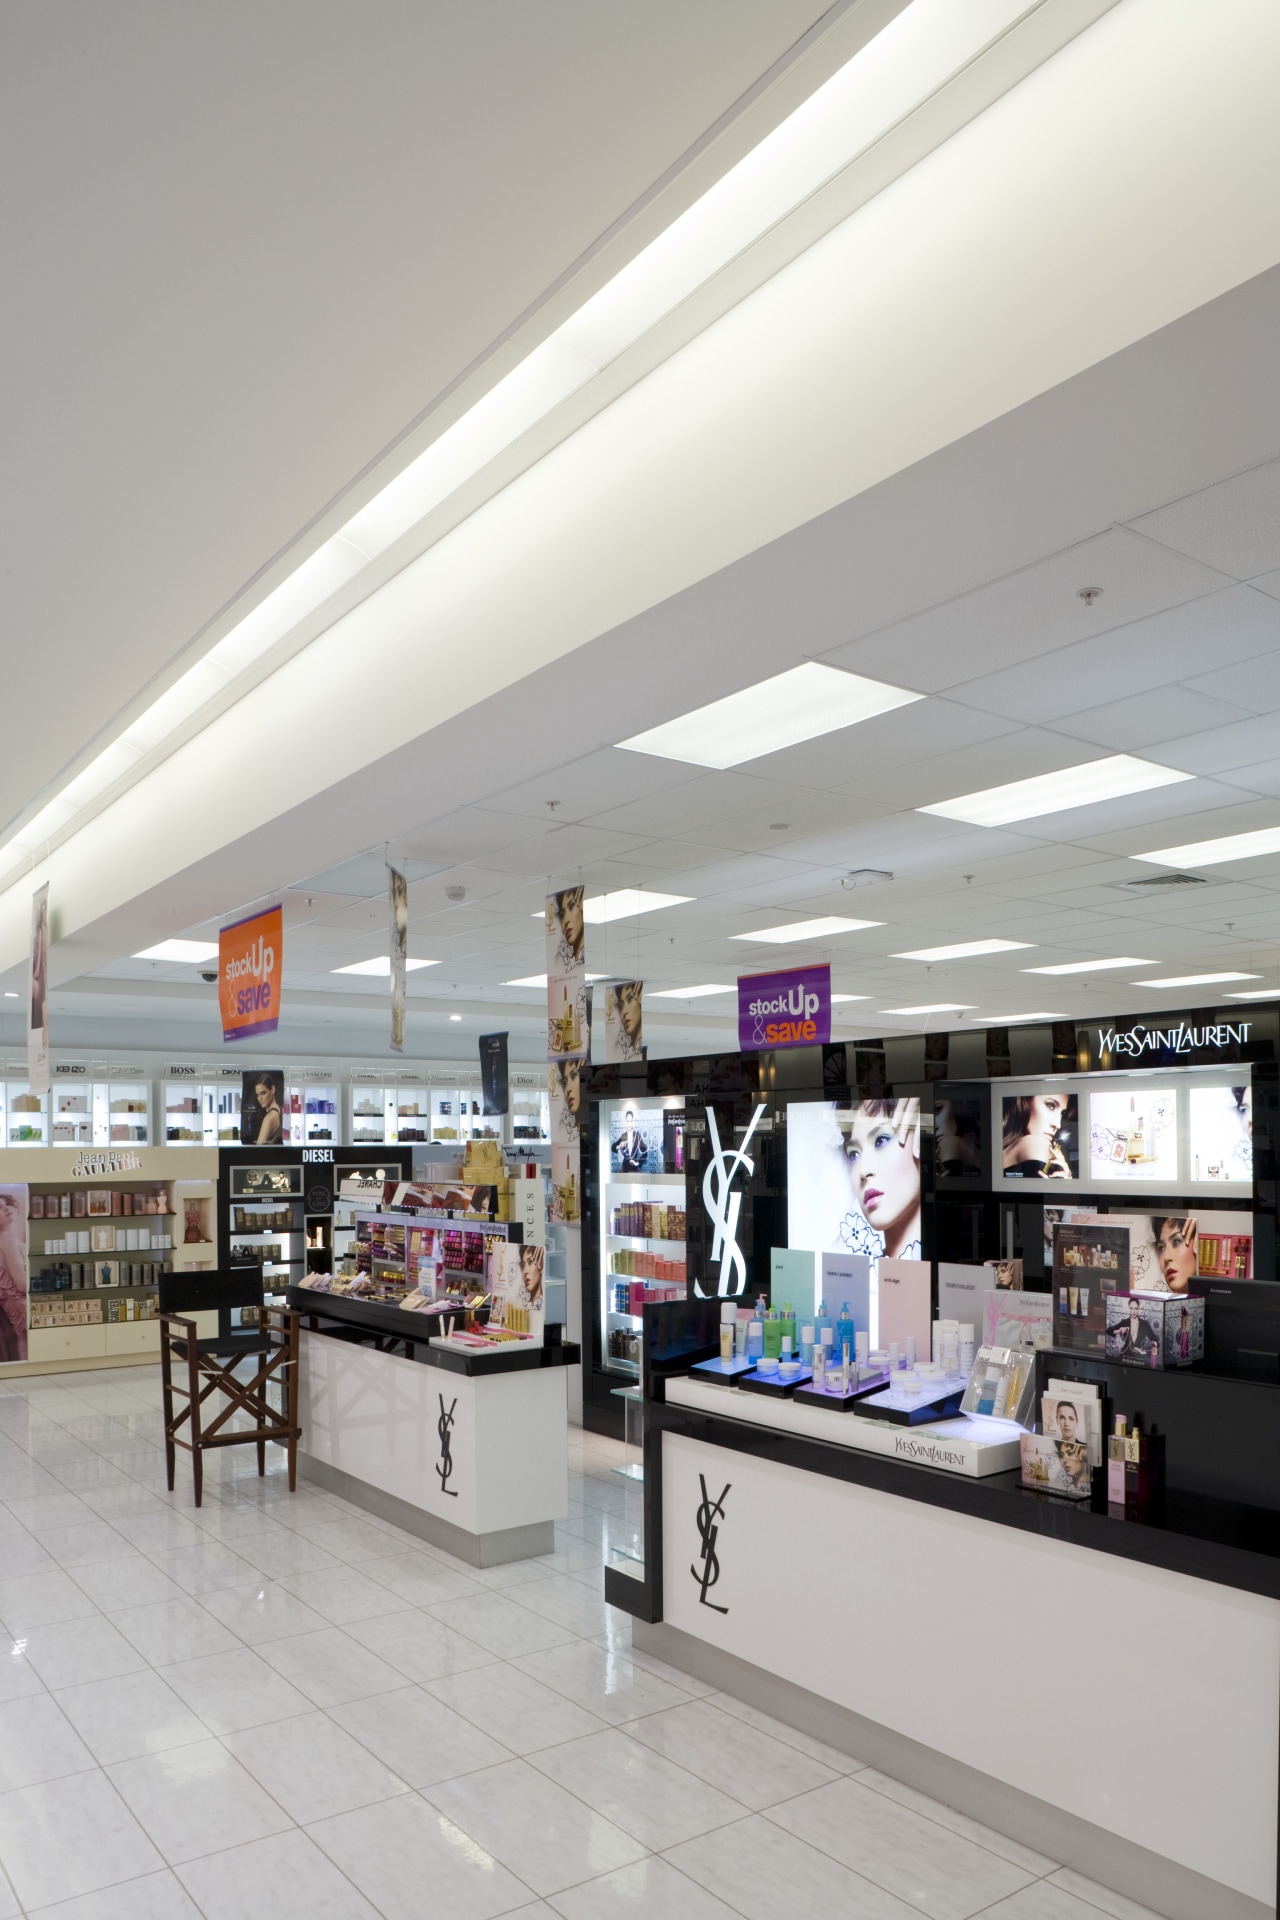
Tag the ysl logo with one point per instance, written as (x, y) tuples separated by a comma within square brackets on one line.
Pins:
[(708, 1514), (445, 1466), (724, 1206)]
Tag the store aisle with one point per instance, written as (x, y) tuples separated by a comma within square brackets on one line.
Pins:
[(279, 1707)]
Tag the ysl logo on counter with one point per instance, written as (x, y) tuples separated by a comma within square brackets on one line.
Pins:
[(724, 1206), (443, 1427), (709, 1513)]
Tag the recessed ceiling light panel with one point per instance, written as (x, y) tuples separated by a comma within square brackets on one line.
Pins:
[(807, 930), (687, 993), (798, 705), (1195, 979), (1257, 993), (626, 902), (1083, 786), (1211, 853), (938, 1006), (380, 966), (1011, 1019), (540, 980), (966, 950), (842, 999), (180, 950), (1090, 966)]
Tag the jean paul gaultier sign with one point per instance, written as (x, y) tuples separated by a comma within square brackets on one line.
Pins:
[(1190, 1040)]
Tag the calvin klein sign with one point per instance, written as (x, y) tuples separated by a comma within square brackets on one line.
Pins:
[(1184, 1043)]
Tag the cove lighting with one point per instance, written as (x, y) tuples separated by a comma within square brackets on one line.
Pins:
[(191, 950), (380, 965), (1195, 979), (1011, 1019), (782, 712), (540, 980), (1082, 786), (937, 1006), (807, 930), (967, 950), (908, 61), (1211, 853), (1090, 966), (687, 993)]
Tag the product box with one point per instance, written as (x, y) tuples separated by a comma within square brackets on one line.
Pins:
[(1090, 1263), (1155, 1329), (1055, 1466)]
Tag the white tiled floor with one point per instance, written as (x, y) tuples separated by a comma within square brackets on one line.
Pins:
[(279, 1707)]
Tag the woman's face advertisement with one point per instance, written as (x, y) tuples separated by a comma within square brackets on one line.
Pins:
[(883, 1152), (1039, 1136)]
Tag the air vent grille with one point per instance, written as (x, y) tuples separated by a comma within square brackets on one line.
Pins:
[(1162, 882)]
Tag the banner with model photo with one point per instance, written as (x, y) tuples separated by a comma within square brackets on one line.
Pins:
[(568, 1001), (624, 1021), (853, 1177), (564, 1088), (495, 1089), (262, 1108), (398, 891), (38, 994), (14, 1272), (250, 963)]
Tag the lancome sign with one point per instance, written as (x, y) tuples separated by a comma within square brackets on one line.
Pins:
[(1185, 1043)]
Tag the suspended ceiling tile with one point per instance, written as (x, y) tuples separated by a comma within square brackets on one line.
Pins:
[(1233, 526), (1144, 719), (882, 745), (1029, 613), (690, 806), (581, 788), (1224, 749), (1231, 625)]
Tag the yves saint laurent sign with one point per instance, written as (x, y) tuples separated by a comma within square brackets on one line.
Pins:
[(1195, 1042), (444, 1428), (706, 1569), (723, 1207)]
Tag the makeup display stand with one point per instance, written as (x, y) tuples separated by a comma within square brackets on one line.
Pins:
[(468, 1450)]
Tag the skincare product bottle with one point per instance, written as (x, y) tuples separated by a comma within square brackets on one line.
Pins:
[(742, 1327), (894, 1360), (820, 1366), (845, 1327), (755, 1338), (806, 1345), (861, 1347), (728, 1320), (823, 1320), (911, 1350), (1001, 1404), (785, 1353), (772, 1335), (966, 1348)]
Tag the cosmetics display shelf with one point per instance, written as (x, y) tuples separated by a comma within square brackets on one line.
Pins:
[(646, 1180), (353, 1319), (641, 1240), (89, 1293)]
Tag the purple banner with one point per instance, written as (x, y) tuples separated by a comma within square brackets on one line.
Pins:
[(791, 1009)]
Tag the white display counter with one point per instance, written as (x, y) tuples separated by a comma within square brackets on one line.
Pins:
[(467, 1453)]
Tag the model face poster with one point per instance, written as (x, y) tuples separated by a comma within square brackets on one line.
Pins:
[(13, 1273), (262, 1108), (568, 1002), (517, 1296), (957, 1137), (624, 1021), (564, 1086), (853, 1177), (636, 1141), (38, 1003), (1040, 1137), (398, 890)]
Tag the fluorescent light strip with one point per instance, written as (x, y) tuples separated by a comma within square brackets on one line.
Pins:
[(380, 965), (967, 950), (784, 711), (1011, 1019), (687, 993), (806, 930), (626, 902), (1195, 979), (1211, 853), (181, 950), (540, 980), (1257, 993), (940, 1006), (1082, 786), (1090, 966), (908, 61), (842, 999)]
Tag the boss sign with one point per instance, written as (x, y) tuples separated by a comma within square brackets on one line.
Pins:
[(791, 1009)]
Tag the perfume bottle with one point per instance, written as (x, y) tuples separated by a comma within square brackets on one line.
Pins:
[(1115, 1464), (1136, 1148)]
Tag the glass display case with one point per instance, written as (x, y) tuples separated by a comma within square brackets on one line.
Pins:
[(642, 1237), (310, 1115), (411, 1111), (200, 1113), (370, 1111), (26, 1116), (530, 1110), (87, 1112)]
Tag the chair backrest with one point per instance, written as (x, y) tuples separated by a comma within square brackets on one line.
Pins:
[(223, 1290)]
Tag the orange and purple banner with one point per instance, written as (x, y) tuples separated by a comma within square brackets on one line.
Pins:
[(250, 962), (789, 1009)]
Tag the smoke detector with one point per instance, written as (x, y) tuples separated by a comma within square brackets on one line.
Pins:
[(864, 877), (455, 893)]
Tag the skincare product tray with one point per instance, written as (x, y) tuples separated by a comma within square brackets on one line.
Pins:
[(970, 1444), (722, 1372), (901, 1409)]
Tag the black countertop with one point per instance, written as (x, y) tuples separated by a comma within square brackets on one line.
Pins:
[(340, 1317)]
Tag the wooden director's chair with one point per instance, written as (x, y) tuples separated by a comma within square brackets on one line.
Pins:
[(209, 1364)]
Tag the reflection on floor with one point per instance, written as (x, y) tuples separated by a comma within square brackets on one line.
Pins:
[(278, 1707)]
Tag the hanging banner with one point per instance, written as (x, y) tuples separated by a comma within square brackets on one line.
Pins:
[(495, 1094), (14, 1269), (38, 994), (262, 1108), (564, 1088), (568, 1002), (398, 888), (790, 1009), (250, 962), (624, 1021)]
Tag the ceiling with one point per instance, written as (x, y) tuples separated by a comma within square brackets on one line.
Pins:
[(1152, 475), (255, 245)]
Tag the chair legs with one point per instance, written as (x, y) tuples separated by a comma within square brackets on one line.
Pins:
[(246, 1397)]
